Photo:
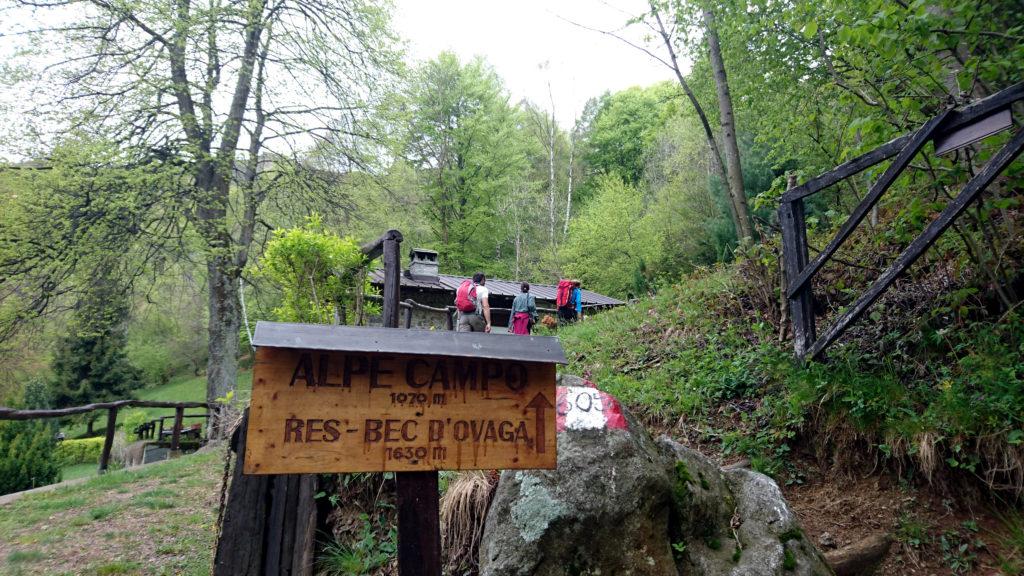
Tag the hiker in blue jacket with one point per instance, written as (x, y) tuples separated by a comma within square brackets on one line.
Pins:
[(577, 300)]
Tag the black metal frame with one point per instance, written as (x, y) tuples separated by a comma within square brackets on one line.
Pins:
[(799, 270)]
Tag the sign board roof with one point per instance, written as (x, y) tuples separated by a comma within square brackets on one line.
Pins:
[(546, 349)]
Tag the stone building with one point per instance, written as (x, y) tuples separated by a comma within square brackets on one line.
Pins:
[(423, 284)]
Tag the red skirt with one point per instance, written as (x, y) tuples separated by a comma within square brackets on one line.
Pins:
[(521, 323)]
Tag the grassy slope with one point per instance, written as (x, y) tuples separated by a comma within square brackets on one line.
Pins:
[(154, 520), (697, 362)]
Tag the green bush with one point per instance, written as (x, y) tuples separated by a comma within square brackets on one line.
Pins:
[(131, 420), (84, 451), (27, 456)]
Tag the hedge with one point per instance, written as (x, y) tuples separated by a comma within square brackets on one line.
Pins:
[(83, 451)]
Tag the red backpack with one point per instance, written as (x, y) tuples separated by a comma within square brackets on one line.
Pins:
[(564, 293), (465, 297)]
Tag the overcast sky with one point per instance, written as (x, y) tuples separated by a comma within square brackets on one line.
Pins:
[(517, 37)]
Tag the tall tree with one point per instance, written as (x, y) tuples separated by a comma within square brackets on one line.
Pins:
[(212, 81), (467, 142), (728, 122)]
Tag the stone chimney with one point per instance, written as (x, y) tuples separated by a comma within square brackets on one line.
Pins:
[(423, 265)]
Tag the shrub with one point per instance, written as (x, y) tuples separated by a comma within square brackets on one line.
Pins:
[(26, 456), (84, 451), (131, 420)]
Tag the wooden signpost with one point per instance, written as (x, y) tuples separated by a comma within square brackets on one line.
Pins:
[(357, 399), (374, 400)]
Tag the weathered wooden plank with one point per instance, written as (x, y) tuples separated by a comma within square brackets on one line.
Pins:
[(176, 431), (326, 411), (958, 119), (914, 145), (392, 281), (275, 525), (931, 233), (419, 536), (352, 339), (108, 442), (375, 248), (305, 528), (794, 256), (240, 546)]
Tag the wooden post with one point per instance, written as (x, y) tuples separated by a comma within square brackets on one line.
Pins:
[(160, 433), (240, 545), (392, 278), (794, 255), (419, 522), (419, 528), (449, 320), (108, 442), (179, 413), (408, 317)]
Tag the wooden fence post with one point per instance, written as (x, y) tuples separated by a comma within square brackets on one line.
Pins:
[(179, 413), (794, 255), (108, 442)]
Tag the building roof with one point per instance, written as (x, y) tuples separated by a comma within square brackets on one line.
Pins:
[(449, 283)]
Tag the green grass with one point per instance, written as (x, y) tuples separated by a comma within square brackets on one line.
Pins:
[(76, 471), (699, 349), (135, 513)]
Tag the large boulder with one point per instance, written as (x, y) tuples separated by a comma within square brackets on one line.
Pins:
[(604, 510), (619, 503)]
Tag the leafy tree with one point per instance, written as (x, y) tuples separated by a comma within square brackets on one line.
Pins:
[(466, 141), (212, 85), (612, 244), (624, 128), (316, 272)]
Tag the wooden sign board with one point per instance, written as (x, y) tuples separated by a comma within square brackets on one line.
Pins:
[(356, 411)]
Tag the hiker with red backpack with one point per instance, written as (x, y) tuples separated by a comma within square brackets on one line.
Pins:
[(564, 302), (471, 300)]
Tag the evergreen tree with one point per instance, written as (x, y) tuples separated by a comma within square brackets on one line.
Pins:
[(90, 363)]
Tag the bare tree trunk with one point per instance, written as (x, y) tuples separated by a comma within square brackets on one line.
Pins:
[(716, 155), (728, 121), (568, 194), (222, 333), (551, 169)]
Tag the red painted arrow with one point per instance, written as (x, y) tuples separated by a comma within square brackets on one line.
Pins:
[(541, 403)]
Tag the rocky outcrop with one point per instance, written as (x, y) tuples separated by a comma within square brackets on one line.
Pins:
[(620, 503)]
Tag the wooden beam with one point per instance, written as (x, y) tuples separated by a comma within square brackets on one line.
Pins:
[(419, 535), (794, 258), (12, 414), (240, 544), (108, 442), (375, 249), (176, 432), (958, 119), (914, 145), (392, 279), (931, 233)]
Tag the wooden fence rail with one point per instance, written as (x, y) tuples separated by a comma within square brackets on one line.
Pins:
[(949, 131), (111, 408)]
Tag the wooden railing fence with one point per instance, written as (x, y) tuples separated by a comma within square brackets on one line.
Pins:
[(112, 409), (949, 131)]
